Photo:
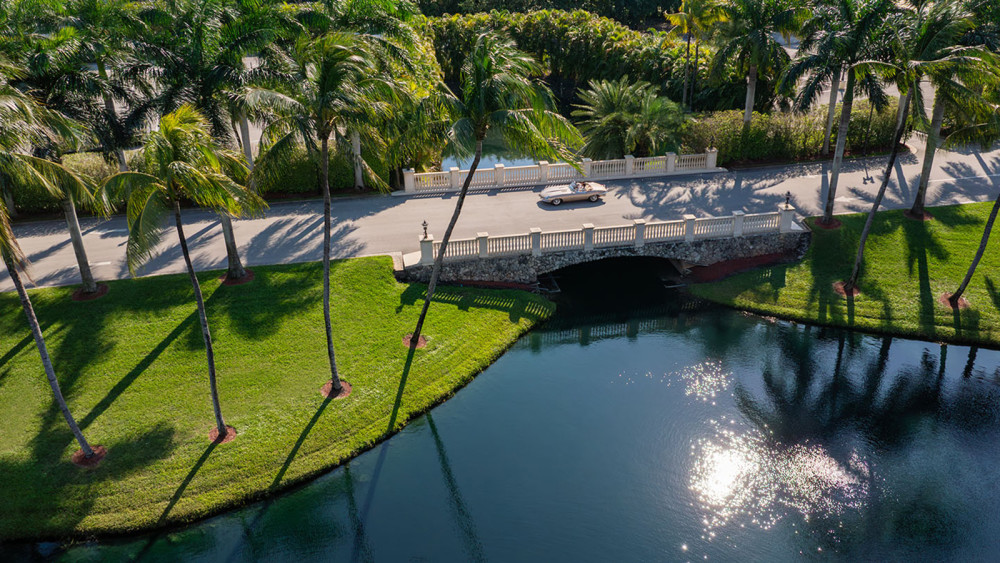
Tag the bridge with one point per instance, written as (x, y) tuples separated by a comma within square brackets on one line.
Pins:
[(692, 240)]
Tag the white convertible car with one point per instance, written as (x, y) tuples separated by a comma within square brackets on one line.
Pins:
[(576, 191)]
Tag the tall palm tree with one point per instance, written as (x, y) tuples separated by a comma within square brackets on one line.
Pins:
[(499, 94), (747, 40), (840, 35), (694, 19), (927, 35), (338, 87), (184, 164), (620, 117), (22, 120)]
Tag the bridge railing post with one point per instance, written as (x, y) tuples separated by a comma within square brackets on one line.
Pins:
[(427, 250), (711, 158), (671, 162), (688, 227), (586, 167), (409, 181), (456, 178), (498, 175), (738, 223), (536, 241), (588, 236), (640, 232), (629, 165), (483, 239), (543, 172), (787, 217)]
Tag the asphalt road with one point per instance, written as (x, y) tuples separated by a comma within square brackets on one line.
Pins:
[(292, 232)]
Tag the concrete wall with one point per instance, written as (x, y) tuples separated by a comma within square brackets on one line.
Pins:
[(526, 269)]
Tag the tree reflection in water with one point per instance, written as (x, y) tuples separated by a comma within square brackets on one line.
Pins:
[(867, 454)]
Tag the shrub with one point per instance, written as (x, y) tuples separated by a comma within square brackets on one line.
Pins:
[(302, 176), (631, 12)]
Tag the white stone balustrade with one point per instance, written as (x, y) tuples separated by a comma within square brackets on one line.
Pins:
[(557, 173), (640, 233)]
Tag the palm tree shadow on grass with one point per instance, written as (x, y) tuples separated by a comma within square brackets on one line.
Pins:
[(920, 243)]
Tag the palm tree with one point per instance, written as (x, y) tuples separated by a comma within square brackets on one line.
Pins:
[(624, 117), (694, 19), (184, 164), (747, 40), (928, 47), (338, 87), (499, 94), (955, 297), (21, 120), (839, 36)]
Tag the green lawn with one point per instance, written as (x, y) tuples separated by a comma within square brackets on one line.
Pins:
[(132, 366), (908, 265)]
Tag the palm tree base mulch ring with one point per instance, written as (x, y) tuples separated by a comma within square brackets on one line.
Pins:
[(945, 300), (81, 460), (213, 435), (81, 295), (842, 291), (833, 224), (247, 278), (408, 341), (923, 216), (327, 390)]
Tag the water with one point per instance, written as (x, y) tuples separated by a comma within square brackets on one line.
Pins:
[(494, 152), (640, 429)]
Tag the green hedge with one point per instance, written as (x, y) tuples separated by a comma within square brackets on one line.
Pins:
[(784, 136), (631, 12), (578, 46)]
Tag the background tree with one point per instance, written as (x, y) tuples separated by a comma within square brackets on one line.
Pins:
[(620, 117), (499, 94), (747, 41), (184, 164), (694, 20)]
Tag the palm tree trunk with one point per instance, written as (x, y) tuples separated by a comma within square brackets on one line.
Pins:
[(838, 155), (694, 75), (831, 112), (324, 165), (987, 230), (245, 140), (203, 317), (36, 332), (234, 269), (687, 73), (933, 141), (751, 93), (76, 237), (359, 177), (109, 107), (439, 259), (898, 137)]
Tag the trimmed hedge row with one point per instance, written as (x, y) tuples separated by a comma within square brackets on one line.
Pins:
[(631, 12), (782, 136)]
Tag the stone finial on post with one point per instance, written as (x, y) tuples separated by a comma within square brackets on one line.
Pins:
[(786, 217), (498, 174), (629, 165), (588, 236), (640, 232), (456, 178), (483, 239), (711, 158), (427, 250), (688, 227), (671, 162), (543, 172), (536, 241), (586, 167), (409, 181), (738, 223)]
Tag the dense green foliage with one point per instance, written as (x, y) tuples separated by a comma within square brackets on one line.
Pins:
[(635, 13), (622, 117), (132, 366), (909, 265), (784, 136), (578, 47)]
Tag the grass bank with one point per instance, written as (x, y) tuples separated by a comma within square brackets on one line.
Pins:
[(132, 366), (908, 265)]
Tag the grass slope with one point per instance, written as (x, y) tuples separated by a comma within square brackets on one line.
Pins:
[(908, 265), (132, 366)]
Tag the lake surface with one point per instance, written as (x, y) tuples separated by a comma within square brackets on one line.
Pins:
[(645, 428)]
